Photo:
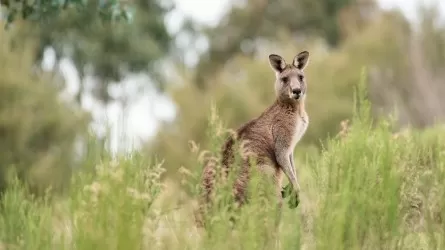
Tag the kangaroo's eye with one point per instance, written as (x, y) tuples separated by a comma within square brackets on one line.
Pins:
[(300, 77), (285, 79)]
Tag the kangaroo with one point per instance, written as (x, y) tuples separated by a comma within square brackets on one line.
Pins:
[(272, 136)]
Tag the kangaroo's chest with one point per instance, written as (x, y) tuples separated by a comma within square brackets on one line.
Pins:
[(300, 127)]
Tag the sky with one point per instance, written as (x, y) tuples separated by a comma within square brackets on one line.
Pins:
[(141, 121)]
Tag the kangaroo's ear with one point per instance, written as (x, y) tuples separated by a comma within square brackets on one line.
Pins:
[(301, 60), (277, 63)]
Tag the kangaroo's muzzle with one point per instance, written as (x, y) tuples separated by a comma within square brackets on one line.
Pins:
[(296, 93)]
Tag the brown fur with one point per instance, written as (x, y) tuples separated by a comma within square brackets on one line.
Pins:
[(269, 138)]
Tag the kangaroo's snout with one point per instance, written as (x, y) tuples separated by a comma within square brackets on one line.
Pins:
[(296, 93)]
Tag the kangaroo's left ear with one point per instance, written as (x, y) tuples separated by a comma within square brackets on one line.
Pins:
[(301, 60)]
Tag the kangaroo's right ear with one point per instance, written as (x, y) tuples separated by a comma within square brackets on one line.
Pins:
[(277, 63)]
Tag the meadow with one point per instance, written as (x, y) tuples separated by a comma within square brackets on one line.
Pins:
[(370, 187)]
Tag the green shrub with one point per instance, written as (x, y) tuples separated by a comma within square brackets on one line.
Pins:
[(37, 129), (109, 209), (104, 210), (379, 190), (24, 223), (370, 189)]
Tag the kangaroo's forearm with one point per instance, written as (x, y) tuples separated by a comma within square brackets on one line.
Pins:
[(288, 169), (292, 164)]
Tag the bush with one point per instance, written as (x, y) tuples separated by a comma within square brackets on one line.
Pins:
[(109, 209), (370, 189), (380, 190), (37, 129), (105, 210)]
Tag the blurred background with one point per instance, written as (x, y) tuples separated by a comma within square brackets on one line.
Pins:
[(142, 74)]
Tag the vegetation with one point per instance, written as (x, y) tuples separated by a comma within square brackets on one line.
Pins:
[(94, 35), (38, 131), (367, 189), (247, 27), (371, 165)]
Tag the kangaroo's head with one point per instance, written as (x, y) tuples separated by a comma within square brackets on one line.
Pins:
[(290, 82)]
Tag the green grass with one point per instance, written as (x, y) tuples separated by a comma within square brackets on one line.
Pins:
[(368, 190)]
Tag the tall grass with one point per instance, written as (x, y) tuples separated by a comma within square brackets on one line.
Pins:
[(369, 189)]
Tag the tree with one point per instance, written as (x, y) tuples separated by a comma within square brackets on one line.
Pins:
[(110, 37), (258, 20)]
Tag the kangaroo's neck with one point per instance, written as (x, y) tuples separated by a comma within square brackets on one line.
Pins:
[(293, 106)]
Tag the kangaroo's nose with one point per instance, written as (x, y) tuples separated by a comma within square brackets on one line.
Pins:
[(296, 92)]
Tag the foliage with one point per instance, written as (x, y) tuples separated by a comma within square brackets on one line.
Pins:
[(378, 188), (109, 208), (37, 130), (45, 10), (368, 189), (248, 26), (24, 221), (390, 47), (105, 210), (104, 39)]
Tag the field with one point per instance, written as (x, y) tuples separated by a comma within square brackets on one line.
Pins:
[(369, 188)]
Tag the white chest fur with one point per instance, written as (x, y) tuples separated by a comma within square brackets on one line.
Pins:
[(301, 125)]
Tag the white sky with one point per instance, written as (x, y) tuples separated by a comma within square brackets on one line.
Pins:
[(141, 122)]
